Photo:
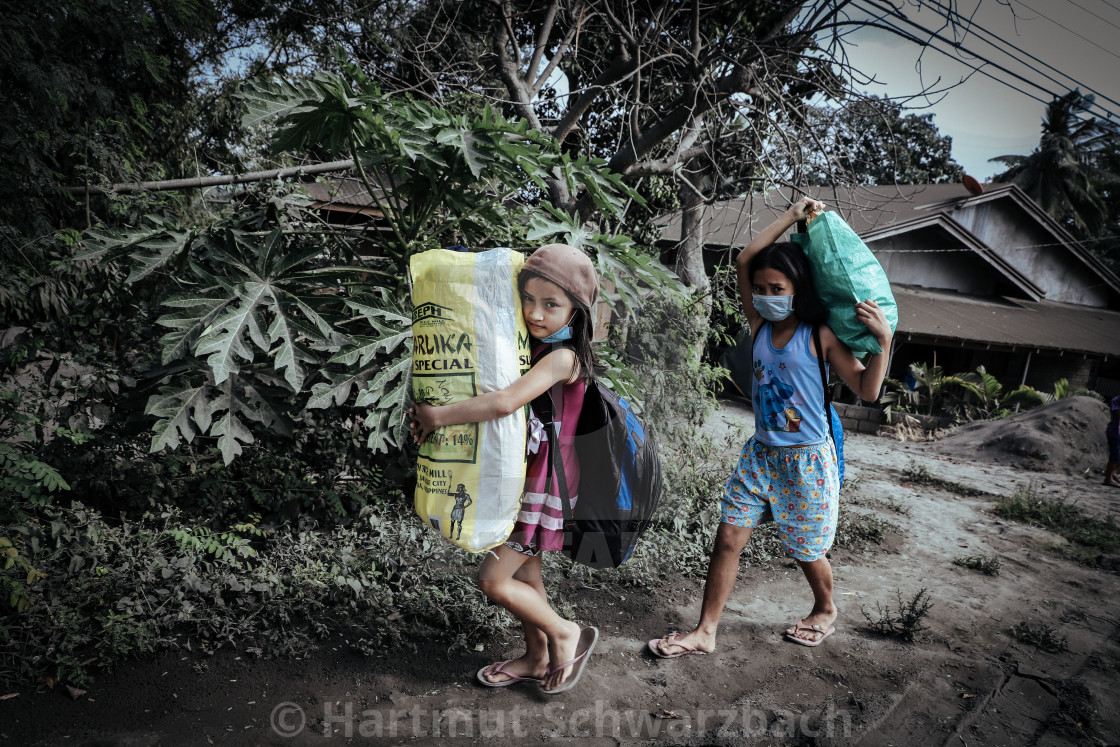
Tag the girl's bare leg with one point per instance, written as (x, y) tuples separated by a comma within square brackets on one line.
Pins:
[(722, 573), (522, 593), (534, 662), (819, 575)]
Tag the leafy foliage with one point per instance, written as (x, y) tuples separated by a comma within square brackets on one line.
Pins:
[(926, 388), (102, 591), (1042, 636), (1063, 389), (1065, 174), (989, 565), (872, 141), (27, 476), (973, 395), (905, 620), (1062, 517), (103, 91), (276, 313), (988, 399)]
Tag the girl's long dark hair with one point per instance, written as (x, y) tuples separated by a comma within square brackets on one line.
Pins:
[(789, 259), (583, 329)]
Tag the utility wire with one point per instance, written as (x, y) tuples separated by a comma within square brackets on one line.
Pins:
[(1110, 23), (1067, 28), (966, 63), (972, 28), (894, 13)]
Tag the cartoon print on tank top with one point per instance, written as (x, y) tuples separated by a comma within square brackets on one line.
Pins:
[(778, 408)]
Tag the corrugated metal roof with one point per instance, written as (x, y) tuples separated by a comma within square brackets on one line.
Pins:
[(341, 193), (1042, 325), (730, 223)]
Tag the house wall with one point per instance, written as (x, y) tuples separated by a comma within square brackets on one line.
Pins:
[(1026, 246), (906, 260), (1046, 369)]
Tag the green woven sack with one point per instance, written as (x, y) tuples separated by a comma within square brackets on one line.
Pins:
[(846, 272)]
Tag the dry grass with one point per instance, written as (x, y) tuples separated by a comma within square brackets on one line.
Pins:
[(911, 430)]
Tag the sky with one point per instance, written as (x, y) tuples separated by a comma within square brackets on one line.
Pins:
[(984, 117)]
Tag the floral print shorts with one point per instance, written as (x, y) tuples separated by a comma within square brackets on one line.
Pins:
[(795, 486)]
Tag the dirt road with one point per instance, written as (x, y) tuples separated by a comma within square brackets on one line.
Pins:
[(965, 681)]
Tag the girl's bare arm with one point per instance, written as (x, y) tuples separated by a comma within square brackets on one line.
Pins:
[(798, 211), (555, 367), (863, 380)]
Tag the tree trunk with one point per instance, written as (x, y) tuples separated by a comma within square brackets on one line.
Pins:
[(690, 257)]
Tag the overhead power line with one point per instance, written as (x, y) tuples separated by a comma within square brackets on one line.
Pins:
[(1067, 28), (974, 67), (973, 28), (1079, 5), (887, 14)]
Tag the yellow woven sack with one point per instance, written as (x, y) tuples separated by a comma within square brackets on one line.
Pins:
[(468, 337)]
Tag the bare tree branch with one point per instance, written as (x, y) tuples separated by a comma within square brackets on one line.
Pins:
[(542, 41)]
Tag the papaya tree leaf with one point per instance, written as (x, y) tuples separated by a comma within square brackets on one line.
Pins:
[(186, 325), (229, 428), (287, 329), (173, 407), (223, 342), (152, 253), (470, 147), (363, 349), (266, 100), (388, 394), (341, 384)]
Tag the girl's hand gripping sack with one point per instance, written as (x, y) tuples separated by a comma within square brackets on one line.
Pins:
[(846, 272)]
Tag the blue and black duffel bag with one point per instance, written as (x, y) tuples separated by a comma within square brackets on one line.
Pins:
[(620, 480)]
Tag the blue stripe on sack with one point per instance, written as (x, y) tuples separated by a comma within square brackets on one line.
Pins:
[(625, 498), (633, 425)]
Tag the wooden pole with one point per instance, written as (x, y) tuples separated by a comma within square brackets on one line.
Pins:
[(211, 181)]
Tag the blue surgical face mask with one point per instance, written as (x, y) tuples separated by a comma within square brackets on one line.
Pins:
[(773, 308), (564, 333)]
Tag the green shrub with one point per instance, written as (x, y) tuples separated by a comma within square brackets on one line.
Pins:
[(1041, 636), (989, 565), (856, 530), (919, 474), (1061, 517), (904, 621), (105, 591)]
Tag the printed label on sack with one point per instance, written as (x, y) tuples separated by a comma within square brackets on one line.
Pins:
[(451, 443)]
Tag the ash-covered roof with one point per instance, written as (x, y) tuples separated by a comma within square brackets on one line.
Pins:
[(1006, 323), (735, 222)]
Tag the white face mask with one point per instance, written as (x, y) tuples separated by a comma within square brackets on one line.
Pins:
[(773, 308)]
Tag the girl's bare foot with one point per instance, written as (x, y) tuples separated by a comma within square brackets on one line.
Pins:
[(815, 619), (525, 666), (562, 648)]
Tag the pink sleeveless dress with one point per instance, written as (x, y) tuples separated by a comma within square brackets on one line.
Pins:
[(540, 522)]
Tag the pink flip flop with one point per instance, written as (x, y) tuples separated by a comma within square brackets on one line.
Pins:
[(497, 669), (588, 637), (655, 647), (826, 632)]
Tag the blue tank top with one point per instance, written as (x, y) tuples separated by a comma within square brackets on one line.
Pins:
[(788, 396)]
